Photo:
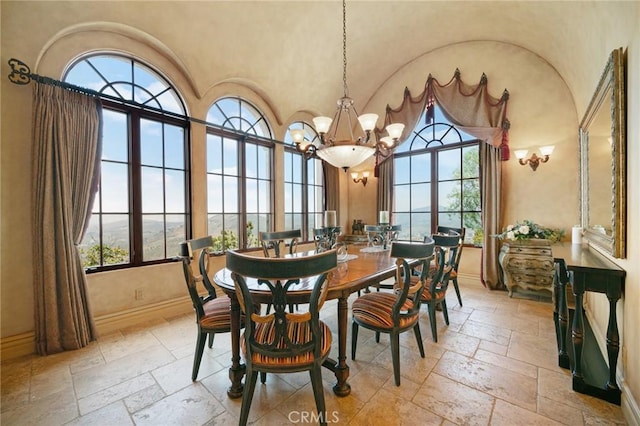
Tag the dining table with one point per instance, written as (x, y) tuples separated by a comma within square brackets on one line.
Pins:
[(363, 267)]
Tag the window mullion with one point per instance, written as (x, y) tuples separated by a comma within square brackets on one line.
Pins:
[(135, 194)]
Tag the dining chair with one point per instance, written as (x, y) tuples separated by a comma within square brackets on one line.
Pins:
[(435, 290), (456, 261), (283, 342), (213, 313), (272, 243), (396, 312)]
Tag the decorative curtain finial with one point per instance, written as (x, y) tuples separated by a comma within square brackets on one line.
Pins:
[(483, 79)]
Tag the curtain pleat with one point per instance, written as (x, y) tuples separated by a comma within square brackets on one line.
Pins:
[(66, 166), (385, 179), (491, 196), (331, 187)]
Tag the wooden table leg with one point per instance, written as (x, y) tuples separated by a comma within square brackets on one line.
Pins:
[(342, 388), (561, 315), (577, 334), (237, 370), (613, 341)]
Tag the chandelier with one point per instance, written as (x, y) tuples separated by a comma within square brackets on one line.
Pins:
[(338, 145)]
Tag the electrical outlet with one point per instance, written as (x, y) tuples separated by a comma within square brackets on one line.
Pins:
[(139, 295)]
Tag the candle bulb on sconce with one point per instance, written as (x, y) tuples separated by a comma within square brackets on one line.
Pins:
[(363, 179), (534, 161)]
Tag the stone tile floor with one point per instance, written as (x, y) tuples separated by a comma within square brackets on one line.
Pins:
[(496, 363)]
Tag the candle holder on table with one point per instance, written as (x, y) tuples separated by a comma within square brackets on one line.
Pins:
[(326, 237), (382, 235)]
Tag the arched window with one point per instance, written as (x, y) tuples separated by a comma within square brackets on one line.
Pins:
[(239, 174), (303, 185), (437, 180), (141, 212)]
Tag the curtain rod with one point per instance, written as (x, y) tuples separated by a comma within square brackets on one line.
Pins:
[(21, 75)]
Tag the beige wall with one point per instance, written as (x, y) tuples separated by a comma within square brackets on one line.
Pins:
[(543, 110)]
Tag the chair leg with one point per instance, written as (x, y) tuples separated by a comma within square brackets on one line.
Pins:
[(377, 337), (432, 319), (416, 331), (455, 286), (445, 312), (263, 377), (354, 339), (211, 336), (395, 356), (318, 392), (202, 340), (247, 395)]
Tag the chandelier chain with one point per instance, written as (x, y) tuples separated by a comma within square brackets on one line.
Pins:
[(344, 48)]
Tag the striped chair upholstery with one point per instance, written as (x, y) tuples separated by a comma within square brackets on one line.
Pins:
[(435, 291), (283, 342), (396, 312), (213, 313)]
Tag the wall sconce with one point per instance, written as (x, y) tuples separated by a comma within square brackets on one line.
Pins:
[(534, 161), (363, 179)]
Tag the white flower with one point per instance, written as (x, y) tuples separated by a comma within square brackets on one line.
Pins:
[(510, 227), (511, 235), (524, 229)]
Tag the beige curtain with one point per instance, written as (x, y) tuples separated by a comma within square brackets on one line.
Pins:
[(66, 166), (491, 196), (331, 187), (385, 187)]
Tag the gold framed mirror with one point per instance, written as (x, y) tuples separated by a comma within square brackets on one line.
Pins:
[(602, 139)]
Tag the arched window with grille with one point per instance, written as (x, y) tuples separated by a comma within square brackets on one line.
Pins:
[(141, 212), (239, 174), (437, 180), (303, 184)]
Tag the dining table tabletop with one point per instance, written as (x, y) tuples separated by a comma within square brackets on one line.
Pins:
[(362, 267)]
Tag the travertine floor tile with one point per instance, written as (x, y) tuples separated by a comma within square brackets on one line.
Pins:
[(495, 364)]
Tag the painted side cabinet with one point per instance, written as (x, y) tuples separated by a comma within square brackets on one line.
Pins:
[(527, 264)]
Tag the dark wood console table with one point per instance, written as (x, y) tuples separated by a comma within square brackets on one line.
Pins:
[(587, 270)]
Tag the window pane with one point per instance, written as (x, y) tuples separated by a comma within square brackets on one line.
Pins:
[(175, 191), (230, 156), (297, 198), (402, 201), (449, 164), (153, 234), (421, 197), (152, 190), (420, 226), (288, 161), (297, 169), (176, 233), (252, 195), (471, 194), (214, 194), (251, 152), (449, 196), (214, 224), (115, 239), (264, 204), (453, 220), (114, 187), (403, 219), (151, 143), (231, 231), (214, 154), (470, 161), (174, 147), (114, 136), (420, 168), (401, 170), (264, 162), (230, 195)]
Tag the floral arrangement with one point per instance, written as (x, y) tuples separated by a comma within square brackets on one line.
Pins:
[(527, 230)]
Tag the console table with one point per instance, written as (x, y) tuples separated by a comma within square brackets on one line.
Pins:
[(585, 269)]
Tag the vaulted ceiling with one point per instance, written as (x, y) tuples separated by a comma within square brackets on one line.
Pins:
[(294, 48)]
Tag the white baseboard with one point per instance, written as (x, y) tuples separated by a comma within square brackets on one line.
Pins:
[(630, 407), (25, 343)]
